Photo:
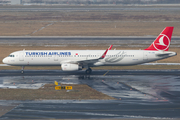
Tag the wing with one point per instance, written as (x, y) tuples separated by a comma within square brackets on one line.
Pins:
[(88, 61)]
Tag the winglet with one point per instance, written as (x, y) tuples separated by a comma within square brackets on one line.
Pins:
[(104, 54), (110, 47)]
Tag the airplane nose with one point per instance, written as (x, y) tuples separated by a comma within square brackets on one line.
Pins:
[(5, 61)]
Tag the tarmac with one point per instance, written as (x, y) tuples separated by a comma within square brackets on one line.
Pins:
[(82, 74), (99, 8), (134, 41), (140, 94)]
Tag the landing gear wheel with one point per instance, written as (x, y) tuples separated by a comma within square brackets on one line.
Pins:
[(89, 71), (22, 70)]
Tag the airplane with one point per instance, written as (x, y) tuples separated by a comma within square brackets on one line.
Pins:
[(74, 60)]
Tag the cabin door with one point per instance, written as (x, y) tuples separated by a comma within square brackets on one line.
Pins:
[(21, 56)]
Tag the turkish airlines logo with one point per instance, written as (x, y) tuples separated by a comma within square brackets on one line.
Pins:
[(162, 42)]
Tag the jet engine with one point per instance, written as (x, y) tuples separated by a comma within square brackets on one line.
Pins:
[(70, 67)]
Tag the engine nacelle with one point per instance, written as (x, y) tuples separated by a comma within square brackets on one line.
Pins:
[(70, 67)]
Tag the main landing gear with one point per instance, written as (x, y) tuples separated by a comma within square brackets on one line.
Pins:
[(22, 70), (88, 71)]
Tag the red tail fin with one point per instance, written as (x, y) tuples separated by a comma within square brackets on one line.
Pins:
[(162, 42)]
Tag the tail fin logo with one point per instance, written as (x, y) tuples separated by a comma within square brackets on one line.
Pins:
[(162, 42)]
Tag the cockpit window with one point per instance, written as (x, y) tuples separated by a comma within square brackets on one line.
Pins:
[(11, 56)]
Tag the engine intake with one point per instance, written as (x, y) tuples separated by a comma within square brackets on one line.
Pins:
[(70, 67)]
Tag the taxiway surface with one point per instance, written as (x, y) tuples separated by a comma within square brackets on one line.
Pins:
[(83, 74), (99, 8), (139, 94), (134, 41)]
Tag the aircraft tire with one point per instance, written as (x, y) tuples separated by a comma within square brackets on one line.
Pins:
[(89, 71)]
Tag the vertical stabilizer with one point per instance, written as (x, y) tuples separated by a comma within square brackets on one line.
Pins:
[(162, 42)]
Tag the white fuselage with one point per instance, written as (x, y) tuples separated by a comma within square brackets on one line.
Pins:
[(58, 57)]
